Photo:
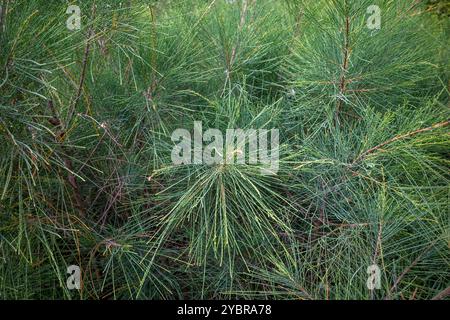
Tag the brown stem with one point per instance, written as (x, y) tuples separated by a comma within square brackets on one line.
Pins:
[(236, 46), (322, 216), (400, 137), (378, 244), (71, 179), (344, 67), (443, 294), (148, 94), (298, 23), (407, 269), (74, 102)]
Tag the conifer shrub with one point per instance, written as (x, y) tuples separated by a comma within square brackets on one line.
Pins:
[(359, 94)]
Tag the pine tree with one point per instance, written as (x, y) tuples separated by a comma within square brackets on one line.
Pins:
[(359, 91)]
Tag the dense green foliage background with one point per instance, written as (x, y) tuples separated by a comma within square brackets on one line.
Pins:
[(85, 171)]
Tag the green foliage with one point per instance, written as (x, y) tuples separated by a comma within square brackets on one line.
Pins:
[(86, 176)]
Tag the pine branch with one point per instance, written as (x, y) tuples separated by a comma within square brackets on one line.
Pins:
[(407, 269), (399, 137), (148, 94), (240, 27), (87, 48), (443, 294), (71, 179), (344, 67)]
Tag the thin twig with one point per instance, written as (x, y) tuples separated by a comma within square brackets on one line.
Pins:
[(240, 27), (298, 23), (443, 294), (407, 269), (230, 61), (71, 179), (83, 70), (67, 162), (400, 137), (76, 190), (148, 94), (379, 242), (344, 67)]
